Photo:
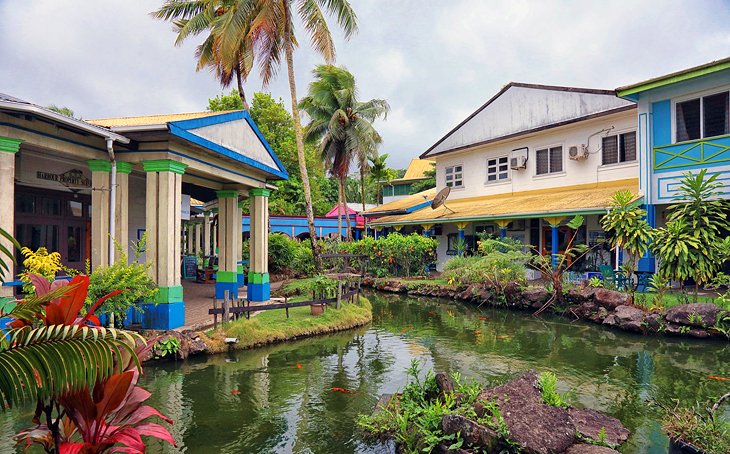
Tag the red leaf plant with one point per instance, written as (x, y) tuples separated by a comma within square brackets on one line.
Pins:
[(112, 416)]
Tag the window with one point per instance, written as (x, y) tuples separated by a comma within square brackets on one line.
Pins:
[(455, 176), (619, 148), (497, 169), (707, 116), (549, 160)]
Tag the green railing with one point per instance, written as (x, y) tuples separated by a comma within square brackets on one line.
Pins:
[(692, 154)]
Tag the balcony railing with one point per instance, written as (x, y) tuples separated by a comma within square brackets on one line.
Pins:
[(692, 154)]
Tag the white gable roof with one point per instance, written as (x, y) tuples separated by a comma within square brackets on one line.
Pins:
[(237, 136), (520, 108)]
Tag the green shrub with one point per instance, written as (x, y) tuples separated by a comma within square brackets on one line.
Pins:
[(281, 252), (303, 260), (395, 254), (133, 278), (496, 269), (489, 244), (548, 384)]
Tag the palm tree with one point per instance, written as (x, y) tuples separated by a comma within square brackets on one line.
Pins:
[(272, 32), (379, 172), (341, 124), (227, 50)]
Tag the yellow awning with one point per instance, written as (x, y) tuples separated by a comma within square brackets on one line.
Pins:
[(592, 198)]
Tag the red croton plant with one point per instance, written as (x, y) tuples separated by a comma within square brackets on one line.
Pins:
[(111, 415)]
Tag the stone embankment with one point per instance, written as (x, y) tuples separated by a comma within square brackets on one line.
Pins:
[(597, 305)]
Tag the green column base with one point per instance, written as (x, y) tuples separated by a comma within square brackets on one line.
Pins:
[(167, 295)]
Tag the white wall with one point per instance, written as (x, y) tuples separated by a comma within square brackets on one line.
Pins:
[(137, 208), (589, 170)]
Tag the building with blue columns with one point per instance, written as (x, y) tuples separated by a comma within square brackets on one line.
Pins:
[(683, 126)]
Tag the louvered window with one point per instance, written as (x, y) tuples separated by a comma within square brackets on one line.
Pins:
[(497, 169), (699, 118), (454, 176), (549, 160), (619, 148)]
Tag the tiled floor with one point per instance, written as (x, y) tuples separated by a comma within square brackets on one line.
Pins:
[(199, 298)]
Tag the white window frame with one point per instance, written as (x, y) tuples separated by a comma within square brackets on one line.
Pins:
[(617, 134), (689, 97), (549, 173), (454, 173), (497, 171)]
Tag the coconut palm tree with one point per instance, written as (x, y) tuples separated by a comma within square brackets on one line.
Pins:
[(379, 172), (272, 32), (342, 125), (228, 50)]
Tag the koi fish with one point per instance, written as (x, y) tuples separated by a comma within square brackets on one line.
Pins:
[(482, 317), (299, 366), (715, 377), (476, 331), (342, 390), (504, 337), (404, 330), (429, 313), (235, 392)]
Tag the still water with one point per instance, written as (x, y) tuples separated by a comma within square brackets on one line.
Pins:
[(279, 399)]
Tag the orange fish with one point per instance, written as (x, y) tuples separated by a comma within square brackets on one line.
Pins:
[(235, 392), (429, 313), (342, 390), (476, 331), (715, 377), (404, 330), (481, 317), (504, 337), (299, 366)]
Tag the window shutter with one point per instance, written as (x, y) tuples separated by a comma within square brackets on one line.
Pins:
[(688, 120), (716, 115), (556, 159), (628, 147), (542, 162), (610, 150)]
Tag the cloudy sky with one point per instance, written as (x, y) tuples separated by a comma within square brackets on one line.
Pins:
[(434, 61)]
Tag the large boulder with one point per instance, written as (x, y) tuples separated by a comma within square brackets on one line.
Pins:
[(629, 318), (471, 432), (590, 423), (700, 315), (535, 427), (581, 295), (535, 296), (610, 299)]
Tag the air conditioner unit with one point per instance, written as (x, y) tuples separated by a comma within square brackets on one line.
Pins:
[(577, 152), (518, 162)]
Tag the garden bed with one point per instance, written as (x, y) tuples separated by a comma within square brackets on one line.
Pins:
[(596, 305), (265, 328)]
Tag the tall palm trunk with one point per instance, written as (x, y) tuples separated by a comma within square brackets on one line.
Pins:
[(343, 187), (300, 146), (241, 94), (339, 211), (362, 185)]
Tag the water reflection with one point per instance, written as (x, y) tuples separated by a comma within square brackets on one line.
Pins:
[(259, 401)]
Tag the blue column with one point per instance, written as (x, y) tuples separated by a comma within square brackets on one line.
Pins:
[(555, 246), (357, 234), (647, 262), (461, 238), (502, 232)]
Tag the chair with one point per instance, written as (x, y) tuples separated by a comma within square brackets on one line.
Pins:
[(613, 278)]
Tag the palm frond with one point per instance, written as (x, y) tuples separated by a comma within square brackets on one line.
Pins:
[(342, 10), (50, 361), (316, 26), (7, 252)]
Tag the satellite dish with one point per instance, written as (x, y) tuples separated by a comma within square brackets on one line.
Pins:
[(440, 199)]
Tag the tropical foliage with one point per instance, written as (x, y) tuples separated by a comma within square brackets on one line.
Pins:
[(41, 263), (6, 253), (341, 125), (694, 244), (395, 254)]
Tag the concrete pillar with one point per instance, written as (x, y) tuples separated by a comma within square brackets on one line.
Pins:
[(121, 213), (196, 241), (259, 288), (206, 234), (229, 229), (189, 239), (100, 193), (8, 149), (164, 223), (214, 238), (239, 246)]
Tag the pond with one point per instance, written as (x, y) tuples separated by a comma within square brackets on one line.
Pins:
[(281, 398)]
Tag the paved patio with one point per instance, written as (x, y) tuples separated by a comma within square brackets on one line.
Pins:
[(199, 298)]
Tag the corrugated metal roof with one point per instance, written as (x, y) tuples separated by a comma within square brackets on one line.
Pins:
[(4, 97), (587, 198), (404, 203), (146, 120), (417, 169)]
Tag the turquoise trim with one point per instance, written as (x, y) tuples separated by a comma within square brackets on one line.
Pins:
[(661, 113), (182, 129), (419, 206), (124, 167), (164, 165), (9, 145), (259, 192)]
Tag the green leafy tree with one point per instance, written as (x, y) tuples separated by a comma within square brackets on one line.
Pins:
[(223, 102), (428, 183), (341, 124), (380, 173), (693, 244), (62, 110), (227, 50), (626, 220)]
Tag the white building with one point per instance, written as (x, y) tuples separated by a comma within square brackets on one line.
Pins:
[(522, 165)]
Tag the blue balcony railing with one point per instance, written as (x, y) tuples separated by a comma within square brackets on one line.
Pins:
[(692, 154)]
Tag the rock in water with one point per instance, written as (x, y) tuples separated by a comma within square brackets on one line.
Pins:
[(472, 433), (702, 314), (590, 422), (590, 449)]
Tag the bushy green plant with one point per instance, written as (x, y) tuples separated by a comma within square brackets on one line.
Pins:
[(395, 254), (132, 277), (496, 269), (488, 244), (701, 427), (316, 286), (281, 252), (303, 259)]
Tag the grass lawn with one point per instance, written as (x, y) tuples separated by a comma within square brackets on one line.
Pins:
[(674, 298), (273, 326)]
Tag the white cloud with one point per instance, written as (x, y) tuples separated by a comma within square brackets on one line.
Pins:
[(434, 61)]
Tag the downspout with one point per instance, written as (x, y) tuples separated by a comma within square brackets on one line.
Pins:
[(112, 199)]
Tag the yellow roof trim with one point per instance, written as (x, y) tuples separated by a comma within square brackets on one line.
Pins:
[(147, 120), (566, 200), (404, 203)]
